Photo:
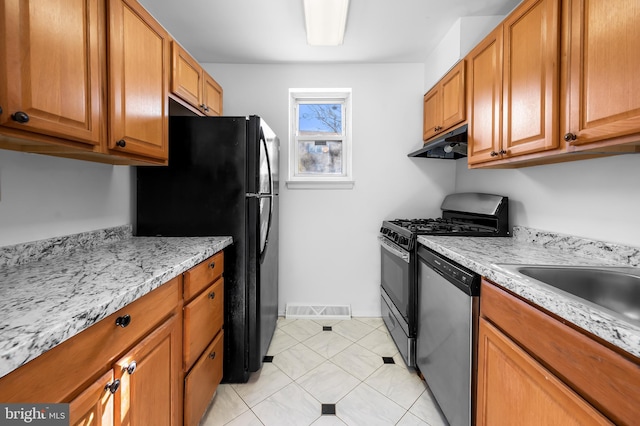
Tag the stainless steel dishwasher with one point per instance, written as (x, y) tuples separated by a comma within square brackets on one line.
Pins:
[(448, 309)]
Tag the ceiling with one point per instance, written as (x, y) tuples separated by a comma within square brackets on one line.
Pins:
[(272, 31)]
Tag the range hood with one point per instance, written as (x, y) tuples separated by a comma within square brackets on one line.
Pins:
[(451, 145)]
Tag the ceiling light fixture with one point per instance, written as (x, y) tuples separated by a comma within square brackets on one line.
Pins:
[(325, 21)]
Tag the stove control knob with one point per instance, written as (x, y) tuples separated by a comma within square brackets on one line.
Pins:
[(404, 240)]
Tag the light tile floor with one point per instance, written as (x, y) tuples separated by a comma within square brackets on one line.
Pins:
[(312, 367)]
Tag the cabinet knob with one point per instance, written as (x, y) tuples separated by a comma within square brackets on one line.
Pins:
[(212, 265), (113, 386), (123, 321), (212, 295), (212, 355), (205, 108), (493, 154), (20, 117), (570, 137), (121, 143), (503, 152), (131, 368), (0, 110)]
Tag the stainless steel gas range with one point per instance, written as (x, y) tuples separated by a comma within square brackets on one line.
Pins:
[(463, 214)]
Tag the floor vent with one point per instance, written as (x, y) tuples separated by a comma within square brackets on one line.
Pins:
[(318, 311)]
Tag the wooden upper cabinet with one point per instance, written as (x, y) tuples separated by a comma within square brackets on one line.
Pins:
[(51, 68), (514, 85), (139, 65), (191, 83), (211, 96), (603, 78), (531, 76), (186, 75), (444, 104), (484, 95), (453, 96), (431, 119)]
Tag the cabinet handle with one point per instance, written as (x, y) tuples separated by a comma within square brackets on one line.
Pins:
[(212, 355), (123, 321), (212, 295), (0, 110), (20, 117), (121, 143), (113, 386), (570, 137), (493, 154), (212, 265), (131, 368), (503, 152), (205, 107)]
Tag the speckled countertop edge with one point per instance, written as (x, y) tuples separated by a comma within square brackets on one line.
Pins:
[(484, 255), (47, 301)]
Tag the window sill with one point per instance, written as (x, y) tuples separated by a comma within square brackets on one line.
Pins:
[(321, 184)]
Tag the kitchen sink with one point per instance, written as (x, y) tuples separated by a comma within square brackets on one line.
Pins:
[(613, 288)]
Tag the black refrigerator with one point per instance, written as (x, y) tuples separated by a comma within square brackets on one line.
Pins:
[(222, 179)]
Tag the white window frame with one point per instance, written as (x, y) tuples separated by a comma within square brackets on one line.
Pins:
[(320, 181)]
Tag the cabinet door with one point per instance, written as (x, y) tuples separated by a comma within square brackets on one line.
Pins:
[(431, 114), (186, 76), (150, 379), (603, 64), (453, 97), (138, 82), (484, 98), (513, 388), (211, 96), (94, 406), (531, 78), (51, 67)]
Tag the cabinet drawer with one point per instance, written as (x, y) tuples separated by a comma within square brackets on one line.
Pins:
[(201, 383), (200, 276), (203, 318), (55, 375)]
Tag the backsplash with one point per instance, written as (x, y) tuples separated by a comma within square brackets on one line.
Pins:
[(37, 250), (581, 246)]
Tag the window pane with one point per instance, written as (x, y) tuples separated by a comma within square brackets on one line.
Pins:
[(320, 157), (320, 119)]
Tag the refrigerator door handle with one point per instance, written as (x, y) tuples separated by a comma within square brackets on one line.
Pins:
[(263, 140), (254, 195)]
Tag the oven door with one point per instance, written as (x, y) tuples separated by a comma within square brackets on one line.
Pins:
[(396, 277)]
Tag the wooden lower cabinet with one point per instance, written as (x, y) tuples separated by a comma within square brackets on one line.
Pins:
[(536, 369), (150, 379), (201, 383), (93, 371), (513, 388), (203, 335), (94, 406)]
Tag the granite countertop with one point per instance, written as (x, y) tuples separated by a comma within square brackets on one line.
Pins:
[(484, 255), (48, 300)]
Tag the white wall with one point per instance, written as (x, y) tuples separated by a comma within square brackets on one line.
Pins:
[(328, 248), (463, 36), (44, 197), (598, 198)]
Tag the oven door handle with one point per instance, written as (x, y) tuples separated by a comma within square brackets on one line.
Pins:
[(394, 249)]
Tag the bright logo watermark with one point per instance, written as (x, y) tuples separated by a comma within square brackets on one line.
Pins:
[(34, 414)]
